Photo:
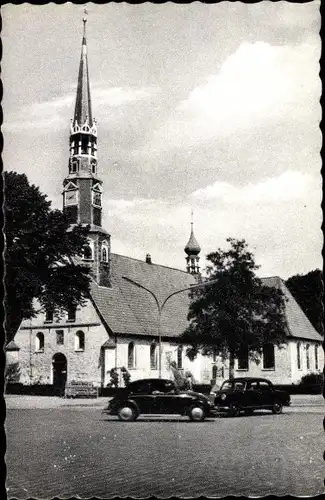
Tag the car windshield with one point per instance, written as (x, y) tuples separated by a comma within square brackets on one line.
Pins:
[(232, 385)]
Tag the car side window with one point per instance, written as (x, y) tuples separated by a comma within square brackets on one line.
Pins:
[(252, 386), (163, 387), (264, 386), (141, 388)]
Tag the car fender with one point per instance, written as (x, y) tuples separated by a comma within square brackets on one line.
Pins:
[(132, 403)]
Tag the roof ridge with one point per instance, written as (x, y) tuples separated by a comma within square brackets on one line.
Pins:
[(152, 263)]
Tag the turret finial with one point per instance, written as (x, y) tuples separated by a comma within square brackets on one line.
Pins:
[(84, 20)]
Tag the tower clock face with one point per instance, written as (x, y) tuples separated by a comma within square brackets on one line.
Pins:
[(70, 198)]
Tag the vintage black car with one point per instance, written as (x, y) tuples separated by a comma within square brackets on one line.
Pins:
[(248, 394), (158, 396)]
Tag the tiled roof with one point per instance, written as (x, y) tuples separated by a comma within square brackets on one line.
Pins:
[(297, 322), (128, 309)]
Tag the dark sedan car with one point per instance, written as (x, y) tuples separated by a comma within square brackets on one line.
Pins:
[(158, 396), (247, 395)]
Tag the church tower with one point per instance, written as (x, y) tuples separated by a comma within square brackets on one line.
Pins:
[(82, 188), (192, 250)]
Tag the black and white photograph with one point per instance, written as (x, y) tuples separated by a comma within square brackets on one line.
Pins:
[(163, 250)]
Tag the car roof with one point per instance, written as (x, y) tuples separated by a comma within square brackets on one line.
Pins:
[(247, 379), (150, 380)]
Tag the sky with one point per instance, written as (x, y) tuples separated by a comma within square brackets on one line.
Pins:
[(211, 108)]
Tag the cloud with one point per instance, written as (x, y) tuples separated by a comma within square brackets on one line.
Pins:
[(288, 186), (56, 113), (259, 83)]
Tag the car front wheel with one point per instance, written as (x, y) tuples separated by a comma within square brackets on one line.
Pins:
[(234, 411), (277, 408), (127, 413), (196, 414)]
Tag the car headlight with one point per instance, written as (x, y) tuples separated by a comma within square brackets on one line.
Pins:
[(223, 397)]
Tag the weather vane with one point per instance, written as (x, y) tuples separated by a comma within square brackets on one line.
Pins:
[(86, 14)]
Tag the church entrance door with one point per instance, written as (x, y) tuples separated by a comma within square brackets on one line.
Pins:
[(59, 363)]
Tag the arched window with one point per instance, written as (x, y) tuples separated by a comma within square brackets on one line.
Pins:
[(298, 356), (39, 342), (131, 355), (214, 372), (79, 341), (88, 251), (180, 356), (104, 251), (153, 356), (307, 357), (316, 357)]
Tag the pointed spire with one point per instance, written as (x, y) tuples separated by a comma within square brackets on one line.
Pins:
[(192, 247), (82, 112)]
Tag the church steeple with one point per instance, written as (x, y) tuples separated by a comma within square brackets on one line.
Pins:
[(82, 188), (82, 112), (192, 250)]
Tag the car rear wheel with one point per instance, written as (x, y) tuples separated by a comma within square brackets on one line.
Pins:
[(234, 411), (277, 408), (196, 413), (127, 413)]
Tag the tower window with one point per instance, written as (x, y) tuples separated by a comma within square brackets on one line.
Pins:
[(39, 342), (97, 199), (316, 357), (88, 251), (72, 314), (104, 251), (84, 145), (59, 337), (153, 356), (74, 166), (93, 167), (79, 341), (49, 315)]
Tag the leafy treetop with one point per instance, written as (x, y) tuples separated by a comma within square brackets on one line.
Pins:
[(39, 255)]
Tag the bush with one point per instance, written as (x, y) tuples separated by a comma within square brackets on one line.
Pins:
[(12, 373), (114, 378), (312, 379), (126, 376)]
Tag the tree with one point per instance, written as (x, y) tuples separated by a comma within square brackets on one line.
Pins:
[(307, 289), (39, 255), (238, 313)]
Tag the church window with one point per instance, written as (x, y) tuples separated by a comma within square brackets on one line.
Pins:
[(131, 355), (153, 356), (307, 357), (268, 356), (74, 166), (214, 372), (72, 313), (243, 359), (79, 341), (59, 337), (298, 356), (316, 357), (180, 356), (93, 167), (39, 342)]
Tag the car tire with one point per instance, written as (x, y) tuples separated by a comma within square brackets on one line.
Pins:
[(196, 413), (127, 413), (277, 407), (234, 410), (248, 411)]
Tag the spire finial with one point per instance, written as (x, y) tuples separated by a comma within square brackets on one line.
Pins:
[(84, 20)]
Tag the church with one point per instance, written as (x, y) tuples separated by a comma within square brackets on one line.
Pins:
[(137, 309)]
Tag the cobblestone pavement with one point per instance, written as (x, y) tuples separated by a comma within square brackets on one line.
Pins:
[(85, 453)]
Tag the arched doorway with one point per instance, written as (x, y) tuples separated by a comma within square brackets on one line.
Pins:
[(59, 363)]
